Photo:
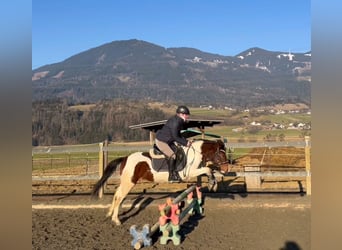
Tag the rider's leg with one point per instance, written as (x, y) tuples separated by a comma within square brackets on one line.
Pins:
[(170, 164), (173, 174), (170, 159)]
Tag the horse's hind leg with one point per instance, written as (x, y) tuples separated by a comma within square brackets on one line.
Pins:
[(110, 211), (119, 196)]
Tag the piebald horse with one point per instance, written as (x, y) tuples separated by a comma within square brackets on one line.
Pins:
[(203, 157)]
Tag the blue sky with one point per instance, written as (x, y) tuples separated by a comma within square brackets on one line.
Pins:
[(63, 28)]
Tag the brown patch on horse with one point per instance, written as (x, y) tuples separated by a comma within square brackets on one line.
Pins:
[(123, 164), (142, 171), (214, 152), (209, 150)]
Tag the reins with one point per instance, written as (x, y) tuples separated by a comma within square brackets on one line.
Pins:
[(187, 166)]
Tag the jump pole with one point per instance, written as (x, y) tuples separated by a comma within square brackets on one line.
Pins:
[(144, 237)]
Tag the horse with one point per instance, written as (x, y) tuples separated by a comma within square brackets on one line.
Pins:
[(203, 157)]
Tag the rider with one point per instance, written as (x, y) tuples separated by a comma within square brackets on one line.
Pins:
[(168, 135)]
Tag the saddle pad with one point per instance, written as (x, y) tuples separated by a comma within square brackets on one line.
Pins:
[(160, 165), (159, 162)]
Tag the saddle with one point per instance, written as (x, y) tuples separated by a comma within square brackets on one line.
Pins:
[(156, 153), (159, 160)]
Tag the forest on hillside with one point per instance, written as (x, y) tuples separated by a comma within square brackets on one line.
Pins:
[(60, 122), (57, 122)]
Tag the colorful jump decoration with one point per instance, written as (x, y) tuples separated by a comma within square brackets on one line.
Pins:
[(169, 220)]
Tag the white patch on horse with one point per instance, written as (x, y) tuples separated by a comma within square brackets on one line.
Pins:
[(131, 163)]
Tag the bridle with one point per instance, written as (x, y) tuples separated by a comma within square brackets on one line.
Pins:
[(224, 162)]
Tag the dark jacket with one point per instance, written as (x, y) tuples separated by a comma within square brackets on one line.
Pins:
[(170, 132)]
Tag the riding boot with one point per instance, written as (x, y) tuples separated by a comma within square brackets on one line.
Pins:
[(173, 174), (170, 170)]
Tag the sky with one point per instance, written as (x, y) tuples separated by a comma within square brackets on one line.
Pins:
[(63, 28)]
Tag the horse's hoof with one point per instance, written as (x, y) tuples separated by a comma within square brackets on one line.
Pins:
[(212, 186), (117, 222)]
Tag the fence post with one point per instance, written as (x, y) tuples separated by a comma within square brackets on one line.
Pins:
[(105, 157), (152, 137), (253, 182), (69, 159), (307, 165), (105, 153), (87, 163), (101, 166)]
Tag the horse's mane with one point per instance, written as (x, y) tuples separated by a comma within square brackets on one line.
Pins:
[(218, 141)]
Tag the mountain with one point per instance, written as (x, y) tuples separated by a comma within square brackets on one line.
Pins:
[(139, 70)]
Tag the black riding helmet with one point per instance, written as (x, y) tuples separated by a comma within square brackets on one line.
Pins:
[(183, 110)]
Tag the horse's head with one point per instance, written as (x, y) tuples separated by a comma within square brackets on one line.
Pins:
[(214, 155)]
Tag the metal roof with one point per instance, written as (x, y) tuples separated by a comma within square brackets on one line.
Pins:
[(191, 132), (191, 123)]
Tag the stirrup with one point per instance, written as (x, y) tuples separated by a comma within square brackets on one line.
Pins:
[(174, 179)]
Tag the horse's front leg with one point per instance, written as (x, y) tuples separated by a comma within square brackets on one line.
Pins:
[(212, 182)]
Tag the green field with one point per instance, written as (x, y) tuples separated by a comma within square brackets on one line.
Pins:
[(246, 118), (43, 161), (47, 161)]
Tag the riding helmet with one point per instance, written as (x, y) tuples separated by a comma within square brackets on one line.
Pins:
[(183, 110)]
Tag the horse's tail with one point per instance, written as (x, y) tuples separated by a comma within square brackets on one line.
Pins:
[(109, 170)]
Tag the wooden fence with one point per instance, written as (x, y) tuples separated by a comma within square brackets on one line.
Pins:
[(251, 174)]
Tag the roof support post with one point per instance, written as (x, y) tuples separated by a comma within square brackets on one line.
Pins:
[(152, 137)]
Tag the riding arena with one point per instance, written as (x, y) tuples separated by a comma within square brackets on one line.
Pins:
[(125, 202)]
